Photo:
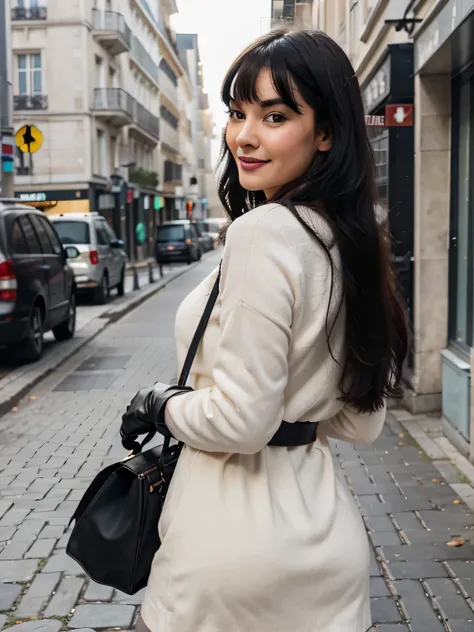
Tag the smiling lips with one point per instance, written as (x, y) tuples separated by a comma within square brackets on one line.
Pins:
[(250, 164)]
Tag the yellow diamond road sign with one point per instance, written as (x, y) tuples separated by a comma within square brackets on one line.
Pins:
[(29, 139)]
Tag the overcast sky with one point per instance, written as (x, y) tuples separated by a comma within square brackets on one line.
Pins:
[(224, 27)]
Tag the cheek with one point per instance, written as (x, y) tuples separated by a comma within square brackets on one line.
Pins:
[(296, 144), (230, 138)]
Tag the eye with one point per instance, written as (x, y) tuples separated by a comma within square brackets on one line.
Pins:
[(235, 114), (275, 117)]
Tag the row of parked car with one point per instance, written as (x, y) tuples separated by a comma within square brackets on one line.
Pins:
[(46, 261)]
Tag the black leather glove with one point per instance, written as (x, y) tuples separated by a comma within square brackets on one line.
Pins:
[(146, 413)]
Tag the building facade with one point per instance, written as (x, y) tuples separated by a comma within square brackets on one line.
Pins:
[(103, 82), (419, 53)]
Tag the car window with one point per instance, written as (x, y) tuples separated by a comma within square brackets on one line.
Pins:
[(18, 240), (46, 245), (110, 232), (102, 236), (170, 233), (73, 232), (194, 232), (30, 235), (53, 237)]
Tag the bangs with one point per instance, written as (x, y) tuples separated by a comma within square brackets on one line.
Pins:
[(240, 82)]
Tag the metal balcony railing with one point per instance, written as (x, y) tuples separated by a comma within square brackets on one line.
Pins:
[(167, 34), (112, 21), (30, 102), (113, 99), (143, 58), (146, 120), (34, 13)]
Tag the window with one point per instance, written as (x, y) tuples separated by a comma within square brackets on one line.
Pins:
[(102, 236), (46, 245), (110, 232), (53, 236), (18, 239), (30, 235), (71, 233), (30, 79), (101, 152)]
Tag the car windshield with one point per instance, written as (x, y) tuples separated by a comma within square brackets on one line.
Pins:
[(169, 233), (73, 232)]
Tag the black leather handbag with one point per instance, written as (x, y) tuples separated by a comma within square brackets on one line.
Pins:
[(115, 535)]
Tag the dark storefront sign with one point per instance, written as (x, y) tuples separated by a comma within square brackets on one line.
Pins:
[(388, 99), (53, 196)]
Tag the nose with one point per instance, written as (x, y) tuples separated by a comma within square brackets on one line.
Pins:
[(247, 134)]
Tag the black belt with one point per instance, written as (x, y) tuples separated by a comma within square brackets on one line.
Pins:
[(292, 434)]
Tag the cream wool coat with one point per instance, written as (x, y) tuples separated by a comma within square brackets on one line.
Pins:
[(257, 538)]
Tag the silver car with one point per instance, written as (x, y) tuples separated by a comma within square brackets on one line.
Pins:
[(101, 263)]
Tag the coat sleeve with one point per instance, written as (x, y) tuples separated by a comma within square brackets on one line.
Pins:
[(241, 412), (354, 427)]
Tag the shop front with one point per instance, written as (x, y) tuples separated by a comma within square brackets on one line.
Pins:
[(388, 101), (444, 63), (56, 201)]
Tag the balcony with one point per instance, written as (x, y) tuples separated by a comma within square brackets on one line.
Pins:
[(143, 177), (114, 105), (34, 13), (111, 31), (145, 126), (142, 58), (168, 36), (30, 102)]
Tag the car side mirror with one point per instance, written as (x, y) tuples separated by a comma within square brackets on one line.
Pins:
[(117, 243), (71, 252)]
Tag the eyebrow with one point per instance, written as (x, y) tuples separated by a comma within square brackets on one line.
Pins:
[(268, 103)]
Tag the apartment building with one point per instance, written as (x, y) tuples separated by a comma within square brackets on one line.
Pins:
[(101, 79), (201, 122)]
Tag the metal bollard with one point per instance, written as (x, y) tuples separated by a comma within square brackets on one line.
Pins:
[(136, 283), (150, 274), (160, 267)]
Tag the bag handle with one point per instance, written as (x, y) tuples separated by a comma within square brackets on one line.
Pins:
[(200, 331)]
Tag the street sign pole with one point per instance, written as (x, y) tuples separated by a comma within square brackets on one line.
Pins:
[(6, 91)]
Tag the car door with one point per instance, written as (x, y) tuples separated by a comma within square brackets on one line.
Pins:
[(117, 254), (27, 260), (104, 249), (31, 271), (59, 252), (54, 265)]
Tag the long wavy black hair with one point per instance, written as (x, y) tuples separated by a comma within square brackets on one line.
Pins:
[(340, 186)]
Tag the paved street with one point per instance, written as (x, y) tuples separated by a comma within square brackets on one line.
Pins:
[(53, 445)]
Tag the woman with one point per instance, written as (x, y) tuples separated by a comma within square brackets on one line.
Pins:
[(308, 327)]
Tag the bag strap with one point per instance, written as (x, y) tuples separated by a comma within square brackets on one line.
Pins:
[(200, 331)]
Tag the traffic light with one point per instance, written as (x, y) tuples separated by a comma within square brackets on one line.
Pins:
[(8, 161)]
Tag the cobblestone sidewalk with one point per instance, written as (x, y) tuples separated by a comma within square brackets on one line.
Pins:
[(66, 430)]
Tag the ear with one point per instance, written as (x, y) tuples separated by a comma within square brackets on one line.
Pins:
[(324, 141)]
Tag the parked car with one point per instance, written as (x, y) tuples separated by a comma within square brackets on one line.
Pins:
[(102, 260), (177, 241), (213, 226), (205, 239), (37, 288)]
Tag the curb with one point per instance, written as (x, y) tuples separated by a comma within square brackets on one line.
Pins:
[(98, 325)]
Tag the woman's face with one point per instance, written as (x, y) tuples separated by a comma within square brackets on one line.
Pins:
[(271, 143)]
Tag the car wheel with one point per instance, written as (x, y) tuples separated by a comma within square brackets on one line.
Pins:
[(101, 294), (121, 285), (66, 329), (32, 345)]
